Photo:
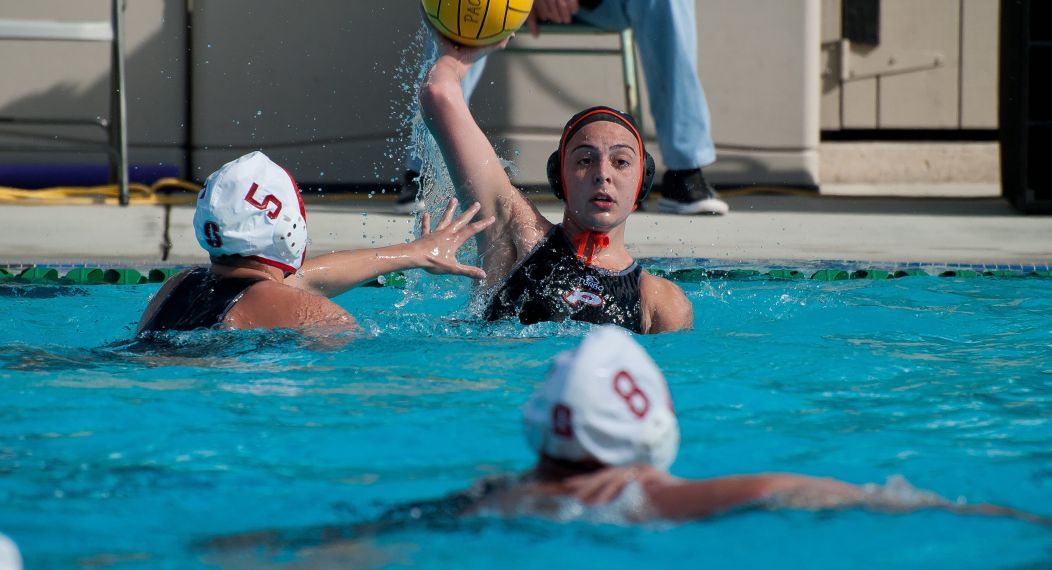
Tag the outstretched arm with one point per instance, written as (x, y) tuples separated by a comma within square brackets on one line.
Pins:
[(476, 171), (711, 497), (683, 499), (988, 510), (436, 252)]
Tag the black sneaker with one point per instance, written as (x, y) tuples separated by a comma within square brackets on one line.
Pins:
[(686, 192), (407, 200)]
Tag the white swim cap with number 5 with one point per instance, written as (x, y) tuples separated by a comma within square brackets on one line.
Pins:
[(604, 401), (251, 207)]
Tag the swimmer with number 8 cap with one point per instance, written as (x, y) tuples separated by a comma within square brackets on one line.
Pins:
[(10, 557), (580, 268), (605, 432), (251, 220)]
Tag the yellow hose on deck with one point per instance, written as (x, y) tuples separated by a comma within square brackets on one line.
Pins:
[(138, 194), (176, 192)]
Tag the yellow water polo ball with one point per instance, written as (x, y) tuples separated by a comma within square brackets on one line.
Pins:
[(477, 22)]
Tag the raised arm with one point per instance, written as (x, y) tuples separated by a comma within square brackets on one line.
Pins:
[(436, 252), (476, 171)]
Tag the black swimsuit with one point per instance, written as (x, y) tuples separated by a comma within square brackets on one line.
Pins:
[(200, 301), (553, 284)]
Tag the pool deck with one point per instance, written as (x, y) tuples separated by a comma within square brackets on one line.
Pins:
[(934, 224)]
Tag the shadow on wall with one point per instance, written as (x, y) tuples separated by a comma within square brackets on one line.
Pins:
[(325, 87), (489, 104), (78, 86)]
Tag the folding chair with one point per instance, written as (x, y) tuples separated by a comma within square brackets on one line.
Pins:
[(627, 51)]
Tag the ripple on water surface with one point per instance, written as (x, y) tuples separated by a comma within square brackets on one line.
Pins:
[(141, 451)]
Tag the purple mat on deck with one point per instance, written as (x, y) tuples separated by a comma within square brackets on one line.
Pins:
[(32, 176)]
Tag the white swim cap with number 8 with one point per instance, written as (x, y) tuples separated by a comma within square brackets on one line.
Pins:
[(604, 401)]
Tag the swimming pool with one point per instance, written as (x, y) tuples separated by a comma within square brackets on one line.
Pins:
[(119, 458)]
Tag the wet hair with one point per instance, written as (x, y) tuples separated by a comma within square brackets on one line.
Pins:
[(553, 468)]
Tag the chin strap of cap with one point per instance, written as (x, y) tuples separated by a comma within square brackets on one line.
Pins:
[(590, 243)]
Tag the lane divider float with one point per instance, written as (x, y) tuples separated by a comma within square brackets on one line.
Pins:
[(48, 275)]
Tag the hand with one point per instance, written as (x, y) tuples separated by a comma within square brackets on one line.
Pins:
[(557, 11), (466, 55), (605, 485), (438, 248)]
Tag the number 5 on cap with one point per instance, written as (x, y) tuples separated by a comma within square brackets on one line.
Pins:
[(267, 200)]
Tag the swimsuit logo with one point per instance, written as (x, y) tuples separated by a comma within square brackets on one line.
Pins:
[(578, 296), (592, 283), (212, 236), (589, 293)]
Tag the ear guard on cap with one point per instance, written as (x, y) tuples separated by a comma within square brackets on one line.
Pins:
[(290, 235), (555, 176)]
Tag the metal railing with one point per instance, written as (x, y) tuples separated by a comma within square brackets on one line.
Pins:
[(116, 128)]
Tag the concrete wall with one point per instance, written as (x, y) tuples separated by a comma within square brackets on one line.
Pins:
[(935, 67), (71, 79), (324, 86), (334, 104)]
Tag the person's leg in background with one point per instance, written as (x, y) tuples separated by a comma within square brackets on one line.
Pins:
[(408, 194), (666, 33)]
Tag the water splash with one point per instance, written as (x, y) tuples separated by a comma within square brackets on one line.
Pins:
[(436, 185)]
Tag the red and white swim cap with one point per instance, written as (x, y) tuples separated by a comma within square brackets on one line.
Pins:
[(251, 207), (604, 401)]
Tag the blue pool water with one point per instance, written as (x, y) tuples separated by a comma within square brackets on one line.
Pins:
[(117, 458)]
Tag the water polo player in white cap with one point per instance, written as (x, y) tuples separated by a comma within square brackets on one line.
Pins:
[(605, 431), (580, 268), (251, 221)]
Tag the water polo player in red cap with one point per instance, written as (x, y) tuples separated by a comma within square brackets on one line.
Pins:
[(578, 269)]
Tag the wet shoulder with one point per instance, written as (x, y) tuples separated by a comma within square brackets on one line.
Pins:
[(164, 293), (665, 307), (554, 502), (269, 304)]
